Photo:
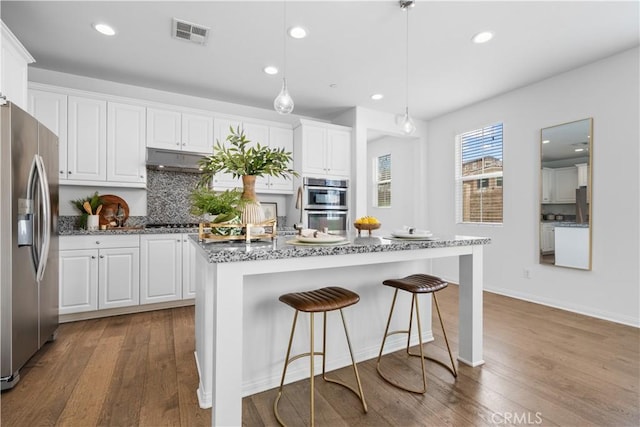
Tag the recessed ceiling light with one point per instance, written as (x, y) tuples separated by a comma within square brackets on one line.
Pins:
[(297, 32), (482, 37), (546, 141), (333, 85), (377, 96), (105, 29), (270, 69)]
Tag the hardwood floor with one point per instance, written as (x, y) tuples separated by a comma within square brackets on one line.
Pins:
[(543, 366)]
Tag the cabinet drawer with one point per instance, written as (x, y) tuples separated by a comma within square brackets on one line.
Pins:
[(99, 242)]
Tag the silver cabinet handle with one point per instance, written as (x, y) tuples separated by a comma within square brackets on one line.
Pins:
[(97, 242), (69, 172), (93, 257), (101, 256), (177, 143), (61, 171), (177, 240)]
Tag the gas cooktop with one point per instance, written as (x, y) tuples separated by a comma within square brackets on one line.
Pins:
[(173, 225)]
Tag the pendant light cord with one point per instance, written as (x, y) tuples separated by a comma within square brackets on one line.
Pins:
[(407, 63), (284, 38)]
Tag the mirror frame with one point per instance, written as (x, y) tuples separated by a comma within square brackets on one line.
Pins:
[(589, 197)]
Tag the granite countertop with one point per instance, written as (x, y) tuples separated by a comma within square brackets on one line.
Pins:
[(571, 224), (128, 231), (219, 252)]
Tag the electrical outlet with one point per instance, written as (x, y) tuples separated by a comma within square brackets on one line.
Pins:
[(526, 273)]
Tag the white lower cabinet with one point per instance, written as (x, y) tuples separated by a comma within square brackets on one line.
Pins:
[(98, 272), (547, 238), (160, 268)]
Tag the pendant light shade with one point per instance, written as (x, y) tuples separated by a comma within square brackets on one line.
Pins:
[(283, 103), (406, 125)]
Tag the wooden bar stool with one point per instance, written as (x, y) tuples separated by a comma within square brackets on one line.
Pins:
[(415, 284), (319, 301)]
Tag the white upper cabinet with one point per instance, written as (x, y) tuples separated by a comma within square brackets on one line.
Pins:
[(173, 130), (322, 150), (565, 184), (164, 129), (50, 109), (87, 139), (126, 143), (197, 133), (14, 61), (281, 138)]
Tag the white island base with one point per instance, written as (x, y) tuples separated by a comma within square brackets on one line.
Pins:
[(242, 329)]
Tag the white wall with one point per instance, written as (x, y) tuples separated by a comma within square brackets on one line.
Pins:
[(384, 123), (403, 152), (608, 91)]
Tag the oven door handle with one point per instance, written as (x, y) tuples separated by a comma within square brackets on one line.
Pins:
[(329, 211), (313, 187)]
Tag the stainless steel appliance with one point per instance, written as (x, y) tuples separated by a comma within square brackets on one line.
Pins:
[(325, 203), (28, 239)]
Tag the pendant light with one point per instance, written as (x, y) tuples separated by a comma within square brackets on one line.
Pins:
[(407, 126), (283, 103)]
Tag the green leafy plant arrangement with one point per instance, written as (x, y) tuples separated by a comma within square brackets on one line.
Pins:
[(207, 201), (239, 159), (94, 201)]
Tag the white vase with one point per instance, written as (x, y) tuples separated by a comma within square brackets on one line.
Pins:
[(252, 213)]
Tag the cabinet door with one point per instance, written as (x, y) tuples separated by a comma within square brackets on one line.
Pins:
[(78, 275), (547, 240), (160, 268), (197, 133), (119, 277), (51, 110), (547, 185), (126, 143), (14, 60), (281, 138), (314, 151), (258, 134), (87, 139), (225, 180), (188, 257), (338, 153), (164, 129), (565, 184)]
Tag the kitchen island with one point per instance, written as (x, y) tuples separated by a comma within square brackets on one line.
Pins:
[(242, 329)]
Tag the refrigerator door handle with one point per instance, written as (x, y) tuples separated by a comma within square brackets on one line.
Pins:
[(45, 219)]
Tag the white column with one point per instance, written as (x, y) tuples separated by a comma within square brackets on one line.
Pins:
[(470, 308)]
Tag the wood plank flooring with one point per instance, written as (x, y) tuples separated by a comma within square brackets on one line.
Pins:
[(543, 366)]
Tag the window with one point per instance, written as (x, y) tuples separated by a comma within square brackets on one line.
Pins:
[(383, 181), (479, 176)]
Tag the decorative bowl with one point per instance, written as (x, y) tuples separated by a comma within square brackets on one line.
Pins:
[(368, 227)]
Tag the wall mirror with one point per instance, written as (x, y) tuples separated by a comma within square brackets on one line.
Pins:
[(566, 153)]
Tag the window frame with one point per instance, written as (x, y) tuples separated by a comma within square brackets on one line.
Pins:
[(480, 177), (378, 182)]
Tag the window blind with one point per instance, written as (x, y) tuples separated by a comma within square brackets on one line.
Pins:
[(479, 195)]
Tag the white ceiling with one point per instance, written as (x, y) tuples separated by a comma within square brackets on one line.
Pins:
[(359, 46)]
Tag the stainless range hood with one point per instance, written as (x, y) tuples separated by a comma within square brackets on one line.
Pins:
[(175, 161)]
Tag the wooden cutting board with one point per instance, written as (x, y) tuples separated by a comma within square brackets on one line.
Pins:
[(109, 201)]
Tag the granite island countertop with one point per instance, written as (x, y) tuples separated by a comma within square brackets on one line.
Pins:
[(279, 248)]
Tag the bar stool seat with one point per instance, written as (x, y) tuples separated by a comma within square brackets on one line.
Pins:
[(415, 284), (318, 301)]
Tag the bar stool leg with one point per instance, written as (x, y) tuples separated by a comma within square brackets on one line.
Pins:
[(312, 373), (284, 371), (422, 357), (444, 332)]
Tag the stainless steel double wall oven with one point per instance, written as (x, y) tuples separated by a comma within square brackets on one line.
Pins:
[(325, 203)]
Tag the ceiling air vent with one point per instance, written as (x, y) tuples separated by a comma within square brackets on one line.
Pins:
[(194, 33)]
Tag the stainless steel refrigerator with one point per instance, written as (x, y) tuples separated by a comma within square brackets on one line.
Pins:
[(28, 239)]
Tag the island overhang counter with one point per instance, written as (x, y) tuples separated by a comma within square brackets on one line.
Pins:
[(242, 329)]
